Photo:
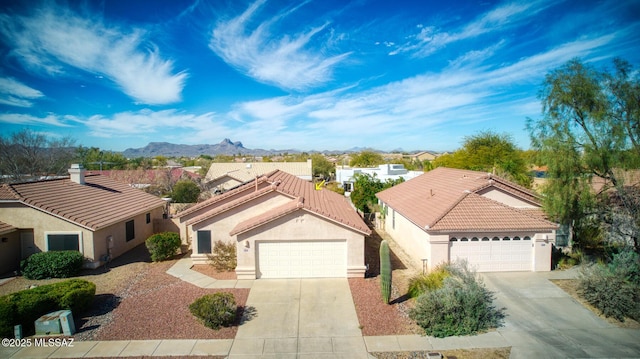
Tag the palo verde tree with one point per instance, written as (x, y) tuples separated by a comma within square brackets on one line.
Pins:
[(590, 133), (365, 188), (366, 159)]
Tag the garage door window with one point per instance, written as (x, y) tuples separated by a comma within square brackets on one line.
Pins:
[(204, 241)]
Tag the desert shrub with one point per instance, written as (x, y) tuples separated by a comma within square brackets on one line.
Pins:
[(611, 288), (215, 310), (163, 246), (427, 282), (626, 263), (25, 306), (462, 306), (224, 258), (54, 264), (566, 261)]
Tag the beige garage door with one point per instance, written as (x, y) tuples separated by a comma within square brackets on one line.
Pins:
[(301, 259), (495, 254)]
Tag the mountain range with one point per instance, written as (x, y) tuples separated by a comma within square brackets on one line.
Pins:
[(225, 147)]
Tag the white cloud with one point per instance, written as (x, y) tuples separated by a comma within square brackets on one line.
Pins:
[(430, 39), (24, 119), (287, 61), (51, 39), (15, 93)]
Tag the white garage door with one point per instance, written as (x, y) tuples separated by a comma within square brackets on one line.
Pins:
[(302, 259), (496, 254)]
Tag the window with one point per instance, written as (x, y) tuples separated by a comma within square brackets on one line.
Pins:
[(474, 239), (497, 239), (527, 238), (464, 239), (393, 219), (454, 239), (148, 218), (63, 241), (131, 231), (507, 239), (516, 238), (204, 241)]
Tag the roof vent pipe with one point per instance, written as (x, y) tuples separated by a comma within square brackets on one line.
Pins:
[(76, 173)]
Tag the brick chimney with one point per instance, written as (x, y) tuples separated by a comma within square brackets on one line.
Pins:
[(76, 173)]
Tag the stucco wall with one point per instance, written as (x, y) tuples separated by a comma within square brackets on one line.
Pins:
[(223, 223), (410, 237), (9, 252), (24, 217), (299, 226)]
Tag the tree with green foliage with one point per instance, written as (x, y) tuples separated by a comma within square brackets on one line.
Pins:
[(321, 166), (93, 158), (185, 191), (365, 188), (590, 130), (489, 152), (366, 159)]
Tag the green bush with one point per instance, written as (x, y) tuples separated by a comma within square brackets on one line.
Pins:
[(610, 288), (25, 306), (215, 310), (163, 246), (427, 282), (462, 306), (224, 257), (53, 264)]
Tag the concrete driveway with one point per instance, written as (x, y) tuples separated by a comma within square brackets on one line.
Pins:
[(300, 318), (544, 322)]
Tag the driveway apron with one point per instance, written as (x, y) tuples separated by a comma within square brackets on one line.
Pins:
[(545, 322), (300, 318)]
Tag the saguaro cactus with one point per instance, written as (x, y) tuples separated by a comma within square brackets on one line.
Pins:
[(385, 272)]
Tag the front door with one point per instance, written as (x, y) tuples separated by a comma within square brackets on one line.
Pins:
[(27, 243)]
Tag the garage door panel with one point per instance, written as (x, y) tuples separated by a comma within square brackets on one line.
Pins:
[(301, 259), (494, 256)]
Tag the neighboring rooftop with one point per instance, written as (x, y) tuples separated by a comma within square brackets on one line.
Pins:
[(450, 199), (96, 204), (244, 172)]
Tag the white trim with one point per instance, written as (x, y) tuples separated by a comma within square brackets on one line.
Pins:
[(80, 239)]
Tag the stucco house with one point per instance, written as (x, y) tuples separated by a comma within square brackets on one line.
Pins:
[(282, 226), (93, 214), (227, 175), (448, 214), (9, 248), (346, 176)]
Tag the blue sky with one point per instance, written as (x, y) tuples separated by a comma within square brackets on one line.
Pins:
[(313, 75)]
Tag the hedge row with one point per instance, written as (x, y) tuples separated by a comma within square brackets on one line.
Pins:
[(53, 264), (25, 306)]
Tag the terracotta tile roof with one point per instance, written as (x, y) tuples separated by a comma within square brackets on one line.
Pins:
[(247, 187), (432, 197), (477, 213), (98, 203), (244, 172), (325, 203), (6, 228)]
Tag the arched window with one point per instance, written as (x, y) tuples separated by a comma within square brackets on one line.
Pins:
[(464, 239), (494, 238), (516, 238), (454, 239), (484, 239), (527, 238), (474, 239), (507, 239)]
